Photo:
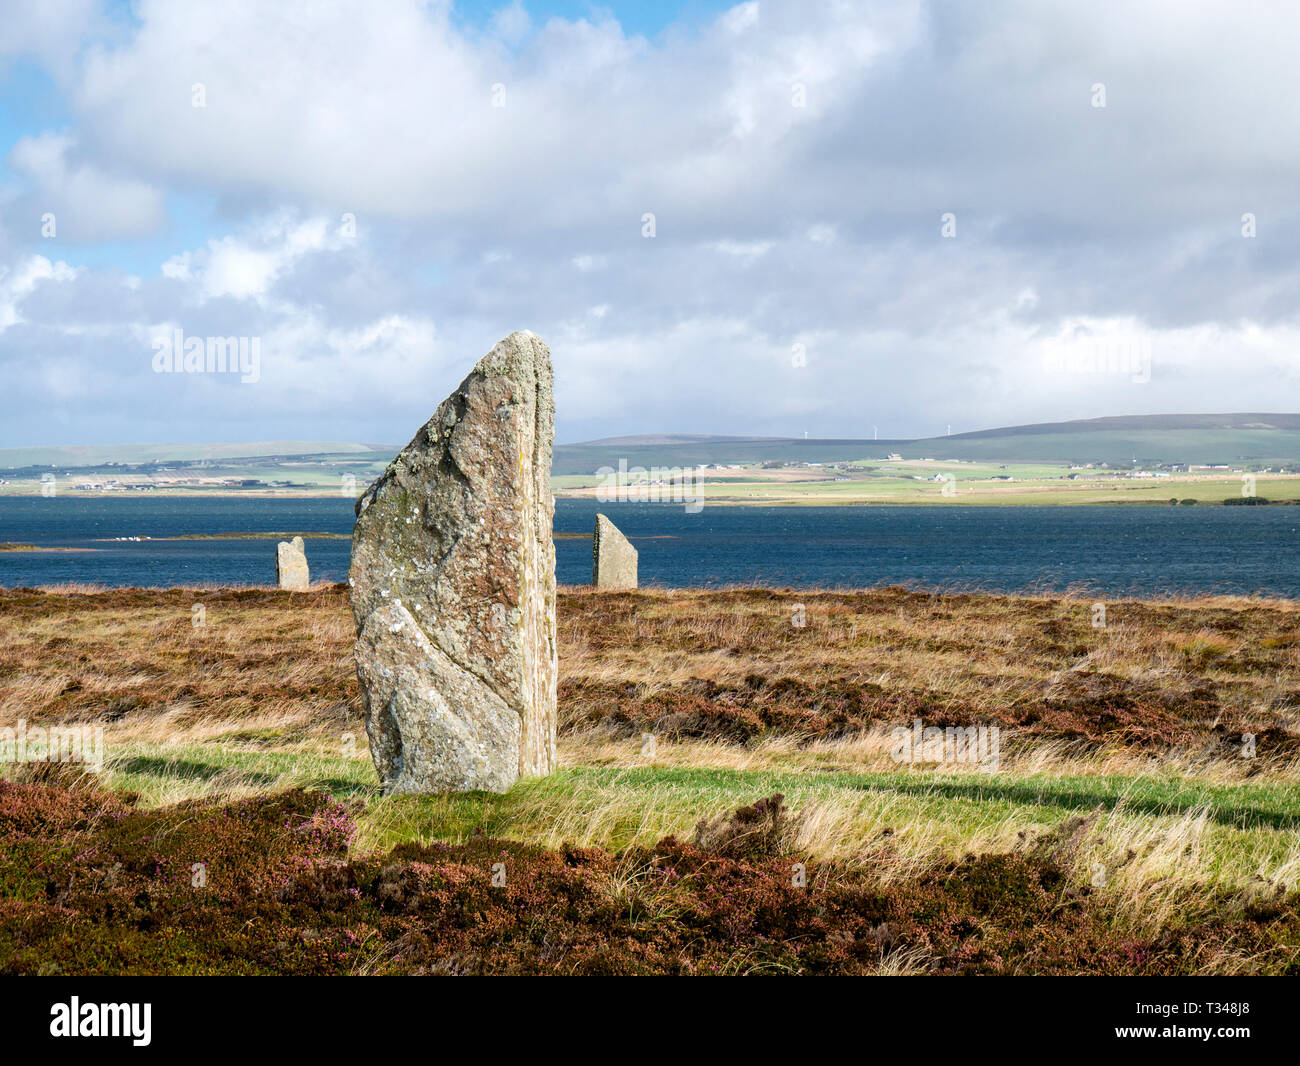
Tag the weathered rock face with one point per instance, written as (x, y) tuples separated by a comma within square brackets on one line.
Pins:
[(291, 565), (613, 559), (453, 586)]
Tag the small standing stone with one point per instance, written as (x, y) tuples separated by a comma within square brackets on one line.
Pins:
[(291, 565), (613, 559)]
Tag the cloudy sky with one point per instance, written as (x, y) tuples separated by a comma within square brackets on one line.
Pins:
[(766, 218)]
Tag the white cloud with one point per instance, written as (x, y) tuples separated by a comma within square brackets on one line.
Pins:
[(776, 224), (88, 203), (20, 281), (246, 266), (746, 251), (51, 30)]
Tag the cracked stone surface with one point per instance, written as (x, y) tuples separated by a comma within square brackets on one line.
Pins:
[(453, 586)]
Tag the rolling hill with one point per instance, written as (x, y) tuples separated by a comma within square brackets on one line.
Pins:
[(1251, 439), (94, 455)]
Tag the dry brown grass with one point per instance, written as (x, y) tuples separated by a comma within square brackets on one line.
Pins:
[(261, 661), (1182, 680), (743, 703), (1188, 675)]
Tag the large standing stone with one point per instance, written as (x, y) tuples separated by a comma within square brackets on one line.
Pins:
[(613, 559), (291, 565), (453, 586)]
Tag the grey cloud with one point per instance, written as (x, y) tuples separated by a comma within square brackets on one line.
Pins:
[(475, 220)]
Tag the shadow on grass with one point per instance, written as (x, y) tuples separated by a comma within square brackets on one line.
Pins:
[(152, 766), (193, 770), (340, 786), (1224, 808), (1237, 816)]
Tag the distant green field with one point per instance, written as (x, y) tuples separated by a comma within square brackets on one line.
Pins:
[(1116, 447), (587, 458), (1234, 439), (300, 471), (978, 484), (1264, 447), (1039, 453)]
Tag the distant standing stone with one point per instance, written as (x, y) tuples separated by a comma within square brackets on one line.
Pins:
[(613, 559), (291, 565), (453, 586)]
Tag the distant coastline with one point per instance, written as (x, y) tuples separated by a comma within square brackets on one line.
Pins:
[(10, 547), (1139, 459), (1274, 490)]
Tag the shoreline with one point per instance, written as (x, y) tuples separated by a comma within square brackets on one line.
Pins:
[(1010, 499), (27, 549), (1079, 595), (252, 535)]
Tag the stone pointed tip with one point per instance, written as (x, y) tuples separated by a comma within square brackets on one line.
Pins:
[(614, 560), (521, 335), (521, 349)]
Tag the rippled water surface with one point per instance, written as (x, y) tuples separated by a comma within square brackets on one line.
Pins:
[(1116, 550)]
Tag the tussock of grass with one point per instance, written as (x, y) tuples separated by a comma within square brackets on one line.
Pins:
[(1121, 765), (270, 885)]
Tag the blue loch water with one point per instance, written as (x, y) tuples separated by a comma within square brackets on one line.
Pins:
[(1115, 550)]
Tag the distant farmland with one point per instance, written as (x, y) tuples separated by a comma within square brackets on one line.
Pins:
[(1254, 439), (1247, 441)]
